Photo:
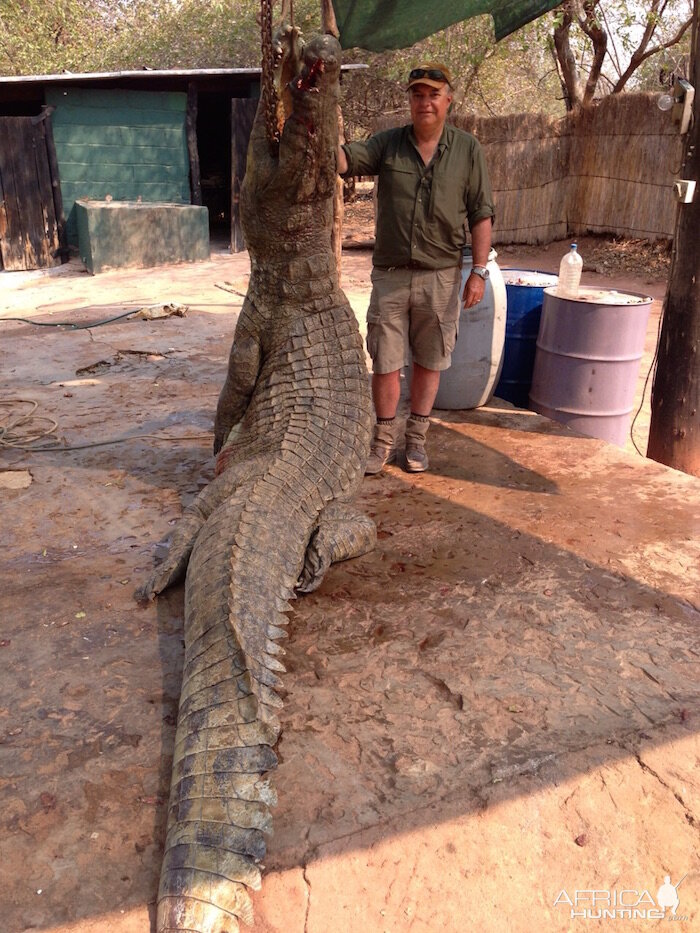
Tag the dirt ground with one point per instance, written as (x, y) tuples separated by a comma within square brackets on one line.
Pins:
[(490, 722)]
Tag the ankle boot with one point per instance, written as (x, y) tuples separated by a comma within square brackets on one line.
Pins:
[(416, 430), (382, 450)]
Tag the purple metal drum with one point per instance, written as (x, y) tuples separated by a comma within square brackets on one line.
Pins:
[(587, 360)]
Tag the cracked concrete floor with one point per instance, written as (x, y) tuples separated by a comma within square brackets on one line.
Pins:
[(493, 711)]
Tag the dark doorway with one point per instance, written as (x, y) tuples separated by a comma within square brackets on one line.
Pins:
[(214, 146)]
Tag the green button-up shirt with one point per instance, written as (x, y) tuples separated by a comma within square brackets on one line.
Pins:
[(422, 209)]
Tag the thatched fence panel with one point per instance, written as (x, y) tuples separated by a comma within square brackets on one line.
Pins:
[(625, 154), (528, 160)]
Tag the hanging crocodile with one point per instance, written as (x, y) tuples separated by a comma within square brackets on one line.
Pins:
[(292, 433)]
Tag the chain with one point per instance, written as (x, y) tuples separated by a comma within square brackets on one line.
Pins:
[(269, 94)]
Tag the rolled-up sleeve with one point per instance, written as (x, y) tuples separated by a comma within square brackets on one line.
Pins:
[(365, 158), (479, 195)]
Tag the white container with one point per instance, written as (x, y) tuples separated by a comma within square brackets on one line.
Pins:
[(477, 359), (570, 269)]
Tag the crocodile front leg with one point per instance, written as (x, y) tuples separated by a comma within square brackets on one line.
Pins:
[(343, 532), (243, 367)]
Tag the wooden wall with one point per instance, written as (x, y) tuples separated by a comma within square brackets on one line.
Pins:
[(528, 158), (125, 144), (32, 228)]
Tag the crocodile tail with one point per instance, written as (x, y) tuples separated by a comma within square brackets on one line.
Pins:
[(219, 808)]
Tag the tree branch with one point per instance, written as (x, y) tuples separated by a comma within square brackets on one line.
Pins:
[(466, 81), (328, 21), (640, 55), (557, 67)]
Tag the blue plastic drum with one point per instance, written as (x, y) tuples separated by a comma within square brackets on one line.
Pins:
[(525, 294)]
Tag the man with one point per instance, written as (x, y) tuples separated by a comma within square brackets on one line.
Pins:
[(431, 179)]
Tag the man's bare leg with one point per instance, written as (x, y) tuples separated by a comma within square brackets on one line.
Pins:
[(424, 388)]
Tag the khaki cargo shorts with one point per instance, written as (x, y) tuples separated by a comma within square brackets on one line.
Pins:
[(413, 311)]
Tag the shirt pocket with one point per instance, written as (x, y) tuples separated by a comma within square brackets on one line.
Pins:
[(398, 183)]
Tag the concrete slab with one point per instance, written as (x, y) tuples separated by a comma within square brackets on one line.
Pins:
[(495, 710)]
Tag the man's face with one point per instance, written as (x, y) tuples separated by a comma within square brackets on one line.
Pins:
[(429, 105)]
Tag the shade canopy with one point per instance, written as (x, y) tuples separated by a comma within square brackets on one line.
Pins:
[(377, 25)]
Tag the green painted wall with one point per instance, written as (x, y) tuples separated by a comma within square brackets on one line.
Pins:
[(127, 144)]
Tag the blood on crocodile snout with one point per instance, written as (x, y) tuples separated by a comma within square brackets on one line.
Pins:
[(306, 82)]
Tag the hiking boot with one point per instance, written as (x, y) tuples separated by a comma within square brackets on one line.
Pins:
[(382, 450), (416, 430), (378, 457), (416, 460)]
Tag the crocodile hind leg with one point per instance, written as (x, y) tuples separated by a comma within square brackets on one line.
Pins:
[(172, 569), (343, 532)]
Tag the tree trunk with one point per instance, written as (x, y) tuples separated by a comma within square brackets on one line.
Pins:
[(674, 434), (599, 39), (568, 68)]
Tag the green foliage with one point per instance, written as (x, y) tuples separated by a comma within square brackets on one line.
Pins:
[(36, 37), (185, 34), (517, 74), (40, 37), (514, 75)]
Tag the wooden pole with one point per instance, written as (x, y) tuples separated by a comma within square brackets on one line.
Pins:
[(63, 248), (674, 433), (330, 26), (242, 116), (192, 149)]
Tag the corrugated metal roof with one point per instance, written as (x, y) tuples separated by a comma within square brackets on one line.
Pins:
[(67, 77)]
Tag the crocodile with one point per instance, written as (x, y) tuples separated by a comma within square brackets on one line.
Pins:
[(292, 434)]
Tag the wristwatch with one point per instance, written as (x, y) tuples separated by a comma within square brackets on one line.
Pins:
[(481, 271)]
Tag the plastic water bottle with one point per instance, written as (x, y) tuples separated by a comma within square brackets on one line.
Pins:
[(570, 269)]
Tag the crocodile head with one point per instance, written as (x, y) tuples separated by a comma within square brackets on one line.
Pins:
[(320, 70), (287, 194)]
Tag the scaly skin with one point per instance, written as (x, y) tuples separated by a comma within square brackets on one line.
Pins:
[(293, 429)]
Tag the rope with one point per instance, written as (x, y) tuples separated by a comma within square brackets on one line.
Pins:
[(22, 431), (269, 94), (10, 436), (646, 383)]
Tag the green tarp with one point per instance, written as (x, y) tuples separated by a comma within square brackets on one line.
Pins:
[(377, 25)]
